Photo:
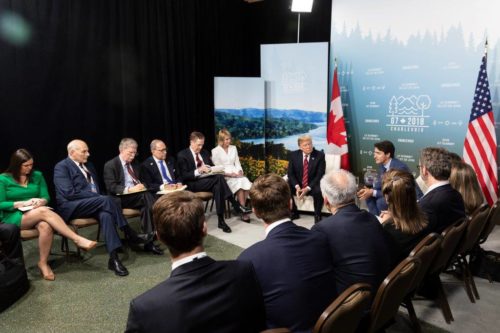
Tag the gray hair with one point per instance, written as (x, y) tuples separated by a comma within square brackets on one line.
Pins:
[(339, 187), (127, 142), (73, 145), (153, 144)]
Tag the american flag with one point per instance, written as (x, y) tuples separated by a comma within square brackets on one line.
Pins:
[(336, 133), (480, 146)]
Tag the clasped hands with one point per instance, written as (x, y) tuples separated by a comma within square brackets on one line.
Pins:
[(204, 169), (365, 193), (234, 174), (301, 192), (35, 202)]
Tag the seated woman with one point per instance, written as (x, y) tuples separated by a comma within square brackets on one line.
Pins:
[(23, 200), (404, 221), (463, 178), (226, 155)]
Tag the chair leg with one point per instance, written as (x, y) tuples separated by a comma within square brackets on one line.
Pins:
[(413, 316), (227, 210), (466, 278), (212, 205), (443, 304), (471, 279)]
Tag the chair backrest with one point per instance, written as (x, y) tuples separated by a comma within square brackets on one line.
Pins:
[(474, 227), (391, 292), (450, 238), (426, 250), (345, 313), (492, 220)]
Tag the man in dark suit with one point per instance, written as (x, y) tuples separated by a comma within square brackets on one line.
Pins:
[(306, 166), (383, 155), (442, 204), (201, 295), (195, 167), (293, 264), (121, 177), (360, 249), (78, 196), (159, 170)]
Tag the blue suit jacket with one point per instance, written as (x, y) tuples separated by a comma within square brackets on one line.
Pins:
[(71, 185), (361, 250), (151, 176), (294, 270), (396, 165)]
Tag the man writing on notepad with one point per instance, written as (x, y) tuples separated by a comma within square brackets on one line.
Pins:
[(121, 177)]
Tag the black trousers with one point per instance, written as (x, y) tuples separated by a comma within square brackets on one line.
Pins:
[(144, 202), (10, 239), (215, 184)]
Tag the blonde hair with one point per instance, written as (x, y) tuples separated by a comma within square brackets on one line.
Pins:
[(222, 135), (463, 178), (399, 191), (304, 137)]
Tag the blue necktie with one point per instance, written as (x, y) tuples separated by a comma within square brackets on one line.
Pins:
[(164, 172)]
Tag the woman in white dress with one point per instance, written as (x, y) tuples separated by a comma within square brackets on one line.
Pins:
[(226, 155)]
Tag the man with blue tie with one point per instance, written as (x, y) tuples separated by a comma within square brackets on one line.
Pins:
[(383, 154), (121, 177), (78, 196), (159, 170)]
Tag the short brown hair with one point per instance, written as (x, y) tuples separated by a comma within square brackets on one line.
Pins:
[(179, 219), (270, 197), (196, 135), (437, 161)]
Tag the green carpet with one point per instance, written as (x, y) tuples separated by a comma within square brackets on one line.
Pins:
[(86, 296)]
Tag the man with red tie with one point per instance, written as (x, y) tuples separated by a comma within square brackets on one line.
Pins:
[(195, 171), (121, 177), (306, 166)]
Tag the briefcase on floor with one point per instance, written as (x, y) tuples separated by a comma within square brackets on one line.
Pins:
[(14, 281)]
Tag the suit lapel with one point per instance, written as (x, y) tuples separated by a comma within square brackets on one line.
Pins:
[(119, 168)]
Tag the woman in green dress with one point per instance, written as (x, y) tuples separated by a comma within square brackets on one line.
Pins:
[(23, 202)]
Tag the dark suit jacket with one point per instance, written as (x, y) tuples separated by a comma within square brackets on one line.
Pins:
[(187, 164), (201, 296), (361, 250), (114, 178), (295, 273), (443, 206), (316, 168), (71, 185), (151, 176)]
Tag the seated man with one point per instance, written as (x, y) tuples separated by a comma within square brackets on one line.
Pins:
[(383, 154), (306, 166), (442, 204), (194, 167), (121, 177), (77, 195), (158, 170), (360, 249), (293, 264), (201, 295)]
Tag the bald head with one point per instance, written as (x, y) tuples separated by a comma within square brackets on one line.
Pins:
[(338, 187), (78, 151)]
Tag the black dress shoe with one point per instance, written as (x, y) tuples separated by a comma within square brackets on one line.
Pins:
[(294, 216), (141, 238), (242, 209), (116, 265), (151, 247), (222, 225)]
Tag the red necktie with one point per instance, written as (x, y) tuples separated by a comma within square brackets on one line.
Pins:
[(305, 174), (132, 174), (199, 163)]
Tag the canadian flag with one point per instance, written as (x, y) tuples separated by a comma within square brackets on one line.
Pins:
[(336, 133)]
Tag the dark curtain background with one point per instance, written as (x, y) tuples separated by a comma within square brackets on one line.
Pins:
[(107, 69)]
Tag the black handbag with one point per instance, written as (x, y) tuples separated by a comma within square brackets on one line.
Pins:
[(14, 281)]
